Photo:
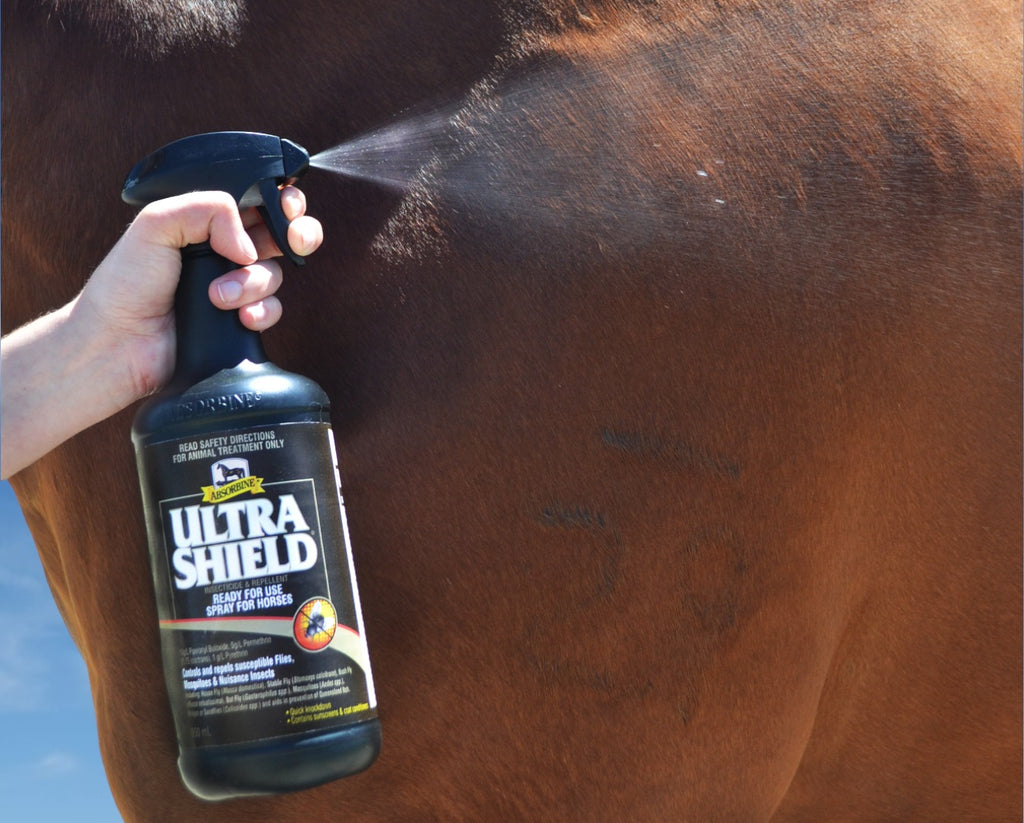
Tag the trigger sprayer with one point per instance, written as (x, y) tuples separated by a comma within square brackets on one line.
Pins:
[(261, 631)]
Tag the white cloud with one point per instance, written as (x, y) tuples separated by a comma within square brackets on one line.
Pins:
[(57, 763), (22, 669)]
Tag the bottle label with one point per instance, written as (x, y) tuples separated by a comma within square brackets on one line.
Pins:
[(261, 628)]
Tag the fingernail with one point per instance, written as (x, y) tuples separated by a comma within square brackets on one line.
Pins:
[(291, 202), (229, 290)]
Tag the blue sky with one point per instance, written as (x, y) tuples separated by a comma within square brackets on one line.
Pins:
[(50, 767)]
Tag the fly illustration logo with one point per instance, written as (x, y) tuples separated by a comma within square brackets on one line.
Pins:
[(315, 624)]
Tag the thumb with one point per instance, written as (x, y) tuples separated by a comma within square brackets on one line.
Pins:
[(195, 218)]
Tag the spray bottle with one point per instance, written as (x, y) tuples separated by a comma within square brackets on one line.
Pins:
[(262, 639)]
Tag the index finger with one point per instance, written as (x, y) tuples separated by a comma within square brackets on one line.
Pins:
[(293, 204)]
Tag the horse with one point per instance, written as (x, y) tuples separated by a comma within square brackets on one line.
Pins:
[(676, 391)]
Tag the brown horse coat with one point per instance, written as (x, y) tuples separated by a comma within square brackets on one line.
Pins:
[(678, 401)]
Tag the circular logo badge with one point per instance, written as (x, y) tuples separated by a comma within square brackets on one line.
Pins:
[(315, 624)]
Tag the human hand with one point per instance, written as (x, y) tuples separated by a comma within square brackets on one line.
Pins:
[(130, 296), (115, 342)]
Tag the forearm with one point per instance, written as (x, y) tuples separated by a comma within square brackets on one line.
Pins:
[(114, 343), (57, 379)]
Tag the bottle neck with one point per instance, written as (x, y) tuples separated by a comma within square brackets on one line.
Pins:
[(208, 339)]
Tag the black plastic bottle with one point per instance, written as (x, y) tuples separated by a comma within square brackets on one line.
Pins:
[(262, 639)]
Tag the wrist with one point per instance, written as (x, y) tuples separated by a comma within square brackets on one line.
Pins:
[(100, 369), (130, 357), (61, 375)]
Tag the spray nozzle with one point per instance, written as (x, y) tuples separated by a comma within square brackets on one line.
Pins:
[(249, 166)]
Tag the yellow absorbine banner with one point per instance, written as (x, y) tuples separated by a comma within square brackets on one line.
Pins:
[(253, 485)]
